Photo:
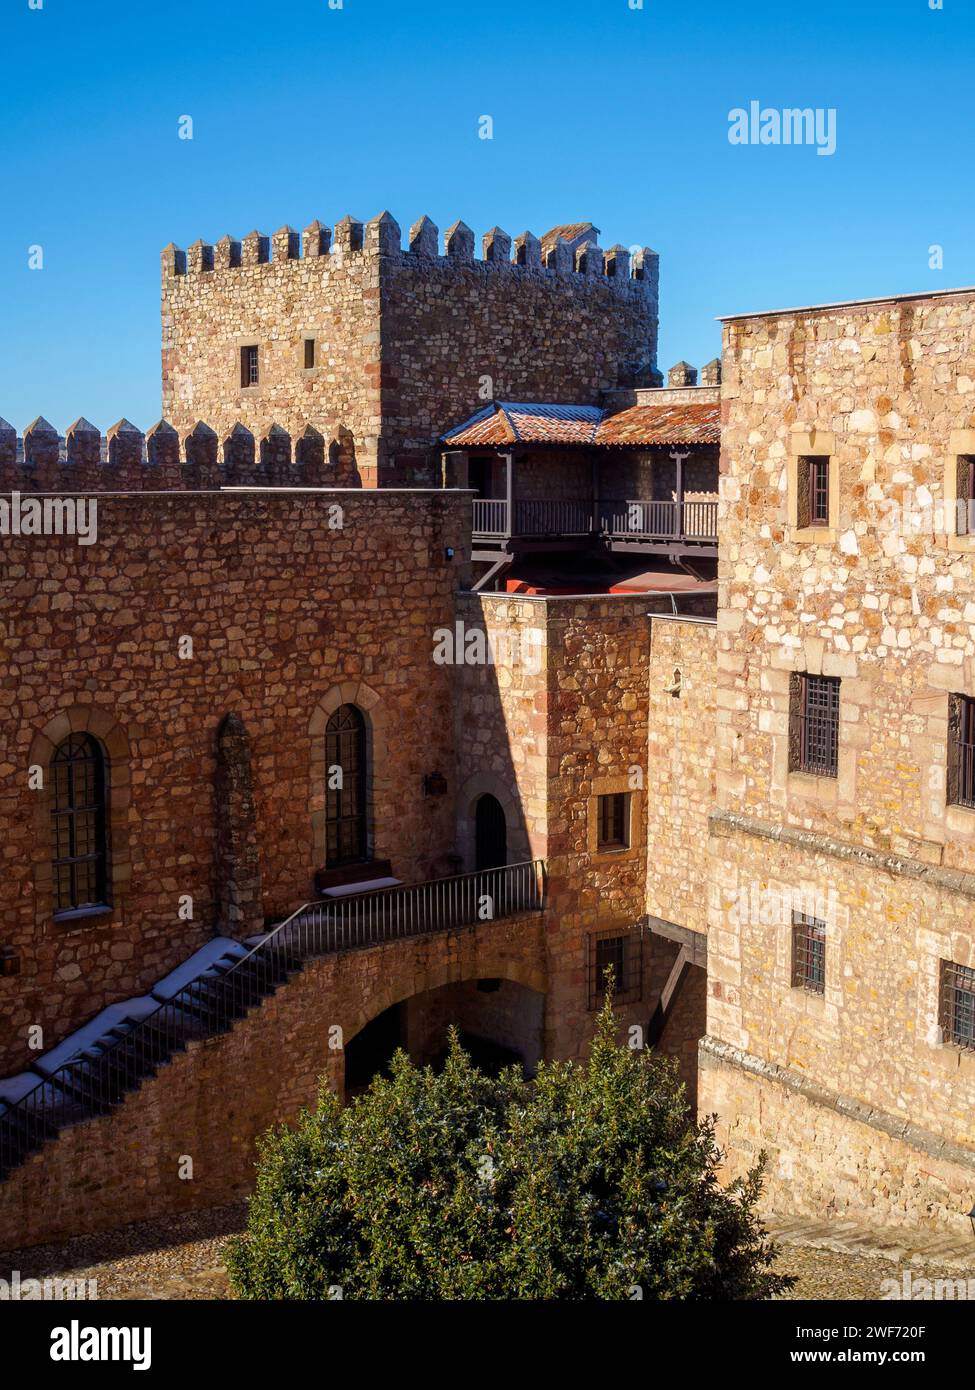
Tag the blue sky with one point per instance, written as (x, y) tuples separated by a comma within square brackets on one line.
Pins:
[(600, 112)]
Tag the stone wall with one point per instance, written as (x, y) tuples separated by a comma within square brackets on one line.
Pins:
[(887, 390), (501, 723), (651, 474), (830, 1156), (537, 334), (680, 769), (406, 340), (209, 314), (289, 613), (881, 597), (597, 745)]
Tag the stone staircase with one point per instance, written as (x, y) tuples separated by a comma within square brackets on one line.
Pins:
[(93, 1071), (111, 1057)]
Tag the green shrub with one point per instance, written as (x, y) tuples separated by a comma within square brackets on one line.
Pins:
[(591, 1182)]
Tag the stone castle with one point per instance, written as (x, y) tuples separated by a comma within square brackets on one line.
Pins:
[(434, 657)]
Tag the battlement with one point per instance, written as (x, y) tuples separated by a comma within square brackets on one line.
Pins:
[(619, 266), (126, 460), (347, 328)]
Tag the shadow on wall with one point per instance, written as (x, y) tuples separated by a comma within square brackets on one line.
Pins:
[(500, 732)]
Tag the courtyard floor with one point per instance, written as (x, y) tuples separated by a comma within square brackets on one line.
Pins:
[(180, 1258)]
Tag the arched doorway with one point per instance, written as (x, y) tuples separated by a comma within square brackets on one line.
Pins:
[(490, 834)]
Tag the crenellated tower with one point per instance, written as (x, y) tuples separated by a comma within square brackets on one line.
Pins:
[(379, 348)]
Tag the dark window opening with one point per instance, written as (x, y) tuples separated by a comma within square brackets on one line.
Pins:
[(249, 366), (808, 953), (814, 724), (813, 490), (961, 750), (345, 796), (309, 352), (79, 789), (957, 1004), (621, 953), (613, 812), (965, 495)]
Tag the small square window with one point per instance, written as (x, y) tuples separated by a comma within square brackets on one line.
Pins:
[(622, 953), (814, 724), (812, 481), (957, 1004), (309, 353), (613, 830), (808, 953), (249, 366)]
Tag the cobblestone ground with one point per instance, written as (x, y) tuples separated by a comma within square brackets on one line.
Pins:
[(180, 1258)]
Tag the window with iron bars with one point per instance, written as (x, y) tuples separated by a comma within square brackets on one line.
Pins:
[(957, 1004), (79, 822), (249, 366), (814, 724), (622, 953), (808, 953), (961, 750), (965, 495), (812, 480)]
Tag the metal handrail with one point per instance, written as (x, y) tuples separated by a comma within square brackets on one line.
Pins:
[(93, 1082)]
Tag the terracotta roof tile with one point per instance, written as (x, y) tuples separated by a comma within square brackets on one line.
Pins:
[(663, 424), (509, 422), (568, 231)]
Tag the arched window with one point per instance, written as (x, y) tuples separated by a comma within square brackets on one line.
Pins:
[(345, 797), (79, 794), (491, 833)]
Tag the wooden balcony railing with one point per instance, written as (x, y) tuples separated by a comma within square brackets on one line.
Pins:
[(620, 520)]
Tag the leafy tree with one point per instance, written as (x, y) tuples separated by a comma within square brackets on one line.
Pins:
[(591, 1182)]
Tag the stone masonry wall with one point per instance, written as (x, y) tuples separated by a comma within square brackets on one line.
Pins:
[(209, 314), (824, 1160), (286, 610), (597, 744), (886, 607), (881, 597), (502, 723), (680, 770), (538, 334), (561, 716)]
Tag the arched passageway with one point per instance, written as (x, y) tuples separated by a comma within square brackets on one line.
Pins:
[(499, 1021)]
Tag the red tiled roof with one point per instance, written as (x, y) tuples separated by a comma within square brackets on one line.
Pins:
[(508, 422), (568, 231), (695, 423)]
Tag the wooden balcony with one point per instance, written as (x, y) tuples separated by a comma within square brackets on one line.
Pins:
[(569, 522)]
